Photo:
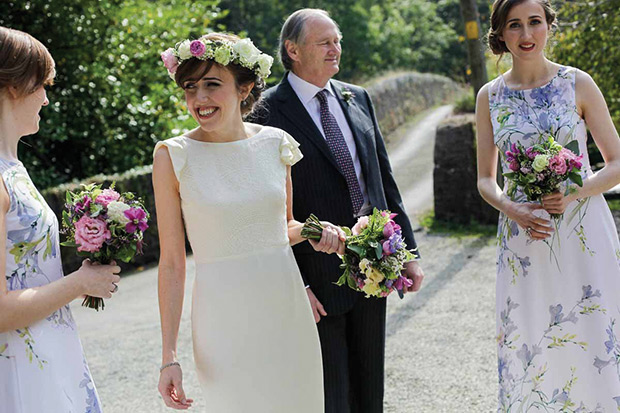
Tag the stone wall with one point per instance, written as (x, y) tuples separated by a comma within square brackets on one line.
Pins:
[(455, 176), (400, 96)]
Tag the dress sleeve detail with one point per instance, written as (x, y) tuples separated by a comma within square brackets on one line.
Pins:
[(177, 154), (289, 150)]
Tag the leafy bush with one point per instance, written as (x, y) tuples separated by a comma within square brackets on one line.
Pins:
[(112, 99), (588, 39)]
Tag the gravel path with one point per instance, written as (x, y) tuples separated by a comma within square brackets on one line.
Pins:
[(440, 351)]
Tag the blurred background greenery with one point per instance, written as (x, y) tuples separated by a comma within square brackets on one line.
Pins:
[(113, 99)]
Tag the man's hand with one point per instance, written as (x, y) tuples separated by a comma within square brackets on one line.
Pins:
[(414, 272), (317, 307)]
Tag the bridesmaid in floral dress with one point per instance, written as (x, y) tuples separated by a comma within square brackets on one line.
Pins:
[(558, 280), (42, 367)]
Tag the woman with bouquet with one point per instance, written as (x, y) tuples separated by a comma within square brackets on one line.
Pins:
[(42, 366), (558, 276), (227, 185)]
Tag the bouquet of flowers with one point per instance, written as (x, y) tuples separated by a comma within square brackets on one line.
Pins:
[(375, 254), (104, 226), (542, 168)]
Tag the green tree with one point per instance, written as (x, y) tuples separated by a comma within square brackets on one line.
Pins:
[(588, 38), (112, 99)]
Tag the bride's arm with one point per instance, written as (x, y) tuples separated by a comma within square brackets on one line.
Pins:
[(332, 239), (171, 280)]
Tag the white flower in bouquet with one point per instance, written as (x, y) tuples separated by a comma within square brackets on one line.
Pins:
[(116, 212), (540, 162)]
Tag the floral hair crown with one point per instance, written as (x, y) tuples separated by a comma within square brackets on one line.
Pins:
[(243, 52)]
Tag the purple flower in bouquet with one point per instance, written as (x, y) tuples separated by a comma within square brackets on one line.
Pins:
[(106, 196), (514, 165), (531, 153), (83, 205), (91, 233), (137, 220), (393, 244), (391, 228), (402, 283)]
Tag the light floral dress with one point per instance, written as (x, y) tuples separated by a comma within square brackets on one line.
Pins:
[(558, 300), (42, 366)]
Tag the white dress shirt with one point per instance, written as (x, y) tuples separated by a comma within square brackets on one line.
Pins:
[(306, 92)]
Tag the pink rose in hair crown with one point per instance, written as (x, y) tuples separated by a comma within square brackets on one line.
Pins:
[(170, 60), (106, 196), (90, 234), (197, 48)]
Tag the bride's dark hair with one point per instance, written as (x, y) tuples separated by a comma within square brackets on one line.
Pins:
[(195, 68), (25, 63)]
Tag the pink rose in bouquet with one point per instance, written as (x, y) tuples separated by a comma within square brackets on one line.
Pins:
[(106, 196), (91, 233)]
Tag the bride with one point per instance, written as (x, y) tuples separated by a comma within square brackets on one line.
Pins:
[(227, 186)]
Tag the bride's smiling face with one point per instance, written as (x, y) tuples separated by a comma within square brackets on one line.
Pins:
[(214, 100)]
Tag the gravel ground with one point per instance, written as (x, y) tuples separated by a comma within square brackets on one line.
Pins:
[(440, 351)]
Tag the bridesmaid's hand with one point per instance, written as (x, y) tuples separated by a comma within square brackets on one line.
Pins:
[(171, 388), (556, 203), (523, 214), (332, 239)]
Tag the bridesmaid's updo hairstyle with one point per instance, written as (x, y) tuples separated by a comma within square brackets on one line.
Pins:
[(499, 17), (196, 69), (25, 63)]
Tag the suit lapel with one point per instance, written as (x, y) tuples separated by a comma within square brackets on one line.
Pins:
[(354, 114), (294, 110)]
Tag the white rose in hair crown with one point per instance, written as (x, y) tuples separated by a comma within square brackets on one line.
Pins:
[(242, 52)]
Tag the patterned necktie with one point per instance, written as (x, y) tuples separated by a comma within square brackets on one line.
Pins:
[(338, 146)]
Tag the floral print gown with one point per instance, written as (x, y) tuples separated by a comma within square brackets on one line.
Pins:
[(42, 366), (558, 300)]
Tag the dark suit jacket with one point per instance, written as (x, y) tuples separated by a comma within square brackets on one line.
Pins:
[(320, 188)]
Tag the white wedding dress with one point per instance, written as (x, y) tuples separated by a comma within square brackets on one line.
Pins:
[(256, 346)]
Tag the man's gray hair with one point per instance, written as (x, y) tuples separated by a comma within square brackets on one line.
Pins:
[(293, 30)]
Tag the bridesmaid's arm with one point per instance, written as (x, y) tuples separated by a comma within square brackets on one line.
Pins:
[(21, 308), (487, 154), (332, 239), (596, 114), (171, 277), (593, 109)]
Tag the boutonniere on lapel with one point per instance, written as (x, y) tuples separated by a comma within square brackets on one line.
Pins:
[(347, 95)]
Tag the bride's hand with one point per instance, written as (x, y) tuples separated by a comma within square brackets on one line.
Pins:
[(535, 226), (171, 388), (332, 239)]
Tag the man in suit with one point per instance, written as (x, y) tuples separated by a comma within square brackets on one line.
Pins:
[(345, 172)]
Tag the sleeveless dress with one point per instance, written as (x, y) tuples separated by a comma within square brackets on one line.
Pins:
[(256, 346), (558, 300), (42, 366)]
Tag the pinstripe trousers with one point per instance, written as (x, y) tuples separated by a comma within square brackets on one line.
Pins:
[(353, 348)]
